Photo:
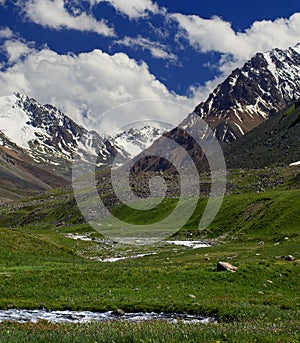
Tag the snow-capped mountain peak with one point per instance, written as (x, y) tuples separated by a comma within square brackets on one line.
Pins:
[(265, 84), (45, 133)]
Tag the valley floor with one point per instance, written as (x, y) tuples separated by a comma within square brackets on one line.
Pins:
[(52, 261)]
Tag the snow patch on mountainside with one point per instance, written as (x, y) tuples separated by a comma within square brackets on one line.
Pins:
[(135, 140), (14, 122), (285, 67)]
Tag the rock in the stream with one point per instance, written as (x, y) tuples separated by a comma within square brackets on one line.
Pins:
[(222, 266), (290, 258), (119, 312)]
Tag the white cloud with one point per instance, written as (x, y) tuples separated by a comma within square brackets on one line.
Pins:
[(157, 50), (215, 34), (201, 92), (53, 14), (16, 49), (91, 83), (133, 8), (6, 32), (2, 2)]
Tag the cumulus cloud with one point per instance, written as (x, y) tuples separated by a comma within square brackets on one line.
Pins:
[(133, 8), (215, 34), (53, 14), (6, 32), (157, 49), (16, 49), (88, 84)]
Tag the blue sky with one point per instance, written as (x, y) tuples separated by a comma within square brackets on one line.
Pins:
[(88, 56)]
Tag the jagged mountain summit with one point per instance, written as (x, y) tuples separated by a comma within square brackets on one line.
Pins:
[(251, 94), (47, 135)]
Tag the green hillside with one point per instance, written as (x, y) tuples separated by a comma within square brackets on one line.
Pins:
[(273, 143)]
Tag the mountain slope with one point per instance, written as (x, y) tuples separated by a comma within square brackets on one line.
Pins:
[(274, 142), (21, 176), (38, 144)]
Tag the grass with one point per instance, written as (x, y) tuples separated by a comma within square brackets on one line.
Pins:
[(43, 268), (149, 332), (260, 180), (269, 215), (155, 285)]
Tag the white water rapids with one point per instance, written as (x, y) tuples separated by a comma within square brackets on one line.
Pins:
[(86, 316)]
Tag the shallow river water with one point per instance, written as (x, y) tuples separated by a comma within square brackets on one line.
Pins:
[(86, 316)]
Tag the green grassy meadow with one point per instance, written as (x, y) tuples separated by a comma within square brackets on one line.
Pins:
[(40, 267)]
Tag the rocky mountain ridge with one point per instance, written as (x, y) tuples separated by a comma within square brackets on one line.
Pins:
[(274, 142), (251, 94), (47, 135)]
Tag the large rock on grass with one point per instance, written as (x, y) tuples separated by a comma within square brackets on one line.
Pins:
[(225, 266)]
